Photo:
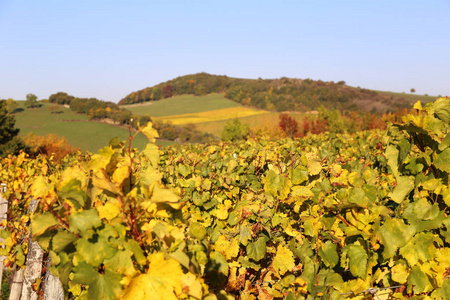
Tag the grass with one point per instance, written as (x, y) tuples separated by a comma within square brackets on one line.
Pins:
[(213, 115), (184, 104), (411, 97), (76, 128)]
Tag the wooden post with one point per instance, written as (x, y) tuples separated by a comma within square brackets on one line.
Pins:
[(52, 287), (3, 216), (33, 269), (16, 286), (33, 266)]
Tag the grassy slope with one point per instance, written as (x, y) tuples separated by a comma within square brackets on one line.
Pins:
[(411, 97), (183, 104), (75, 127)]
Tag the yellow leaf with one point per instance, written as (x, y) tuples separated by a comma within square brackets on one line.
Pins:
[(39, 189), (284, 260), (191, 285), (417, 105), (162, 195), (20, 158), (149, 132), (162, 281), (120, 174), (222, 212), (108, 211), (228, 248)]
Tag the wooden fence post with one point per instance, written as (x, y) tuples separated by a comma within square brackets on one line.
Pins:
[(52, 287), (3, 216)]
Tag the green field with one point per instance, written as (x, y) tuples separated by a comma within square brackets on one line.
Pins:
[(79, 131), (184, 104), (411, 97)]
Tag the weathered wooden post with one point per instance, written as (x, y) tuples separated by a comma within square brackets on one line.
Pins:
[(33, 266), (3, 216)]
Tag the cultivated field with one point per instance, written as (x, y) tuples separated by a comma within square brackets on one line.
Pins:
[(184, 104)]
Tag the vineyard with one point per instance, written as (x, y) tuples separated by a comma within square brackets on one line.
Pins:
[(330, 216)]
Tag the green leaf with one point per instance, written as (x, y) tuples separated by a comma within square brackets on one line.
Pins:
[(419, 281), (257, 250), (197, 230), (121, 263), (420, 248), (329, 254), (244, 234), (392, 154), (184, 170), (426, 211), (445, 142), (441, 108), (276, 185), (404, 186), (61, 240), (357, 256), (394, 233), (442, 161), (139, 255), (218, 263), (152, 153), (41, 222), (84, 220), (94, 251), (358, 196), (298, 175), (72, 191), (101, 286)]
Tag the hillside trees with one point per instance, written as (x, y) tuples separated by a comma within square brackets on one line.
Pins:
[(285, 94), (31, 101), (11, 106), (9, 141), (93, 107), (234, 131), (61, 98)]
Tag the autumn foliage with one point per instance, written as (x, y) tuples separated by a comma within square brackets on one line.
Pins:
[(288, 125), (49, 145)]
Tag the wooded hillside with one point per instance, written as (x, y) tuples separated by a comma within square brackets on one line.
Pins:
[(284, 94)]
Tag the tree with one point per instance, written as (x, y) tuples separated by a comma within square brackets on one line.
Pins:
[(234, 130), (11, 105), (31, 101), (9, 141), (61, 98), (413, 90), (288, 125)]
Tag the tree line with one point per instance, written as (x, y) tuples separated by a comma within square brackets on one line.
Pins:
[(94, 108), (284, 94)]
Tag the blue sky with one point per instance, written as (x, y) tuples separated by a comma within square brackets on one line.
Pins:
[(107, 49)]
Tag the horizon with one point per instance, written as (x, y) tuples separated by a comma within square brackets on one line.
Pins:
[(107, 50)]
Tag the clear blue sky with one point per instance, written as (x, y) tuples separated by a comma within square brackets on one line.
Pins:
[(107, 49)]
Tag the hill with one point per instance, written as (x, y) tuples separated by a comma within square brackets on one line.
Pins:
[(283, 94), (76, 128)]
